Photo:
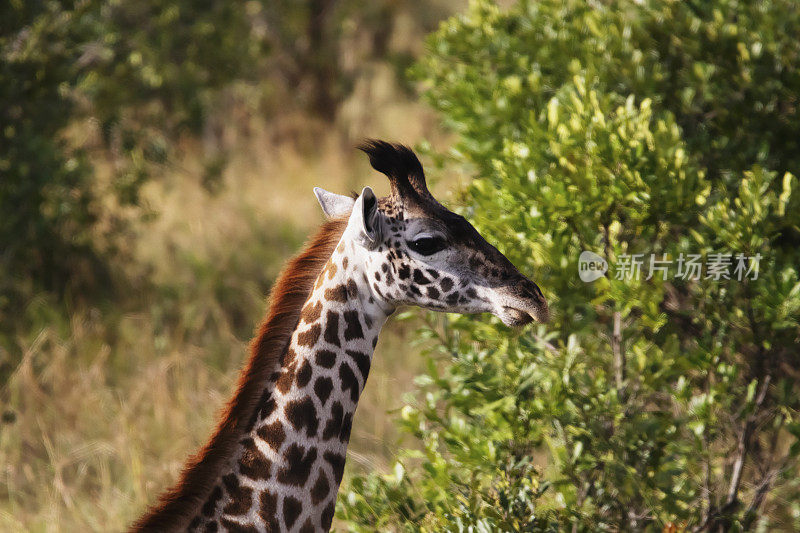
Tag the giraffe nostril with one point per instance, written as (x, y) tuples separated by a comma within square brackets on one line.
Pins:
[(531, 290), (536, 293), (526, 292)]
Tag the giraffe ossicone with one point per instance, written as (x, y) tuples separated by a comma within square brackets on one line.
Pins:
[(276, 460)]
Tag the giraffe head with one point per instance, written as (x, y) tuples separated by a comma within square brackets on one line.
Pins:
[(411, 250)]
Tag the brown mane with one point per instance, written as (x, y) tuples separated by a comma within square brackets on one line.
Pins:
[(291, 290)]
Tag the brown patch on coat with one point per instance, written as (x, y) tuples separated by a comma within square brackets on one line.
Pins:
[(311, 313), (285, 380), (268, 510), (348, 380), (325, 358), (310, 336), (302, 414), (337, 465), (241, 497), (304, 374), (327, 516), (288, 358), (336, 294), (347, 427), (253, 464), (321, 488), (298, 465), (334, 425), (332, 268), (273, 434), (362, 361), (352, 328), (266, 406), (323, 387), (332, 328), (292, 507)]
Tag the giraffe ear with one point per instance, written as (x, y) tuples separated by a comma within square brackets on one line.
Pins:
[(367, 219), (334, 205)]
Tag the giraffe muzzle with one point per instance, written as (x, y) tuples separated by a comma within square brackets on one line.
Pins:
[(516, 317), (522, 304)]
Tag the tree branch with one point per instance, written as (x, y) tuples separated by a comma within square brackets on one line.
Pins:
[(707, 462), (770, 475), (719, 518), (619, 354), (744, 444), (758, 499), (616, 332)]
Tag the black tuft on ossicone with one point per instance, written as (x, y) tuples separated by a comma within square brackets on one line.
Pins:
[(401, 166), (394, 160)]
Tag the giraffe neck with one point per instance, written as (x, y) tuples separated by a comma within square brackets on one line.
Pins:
[(286, 471)]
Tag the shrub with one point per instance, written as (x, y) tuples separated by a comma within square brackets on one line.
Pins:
[(654, 127)]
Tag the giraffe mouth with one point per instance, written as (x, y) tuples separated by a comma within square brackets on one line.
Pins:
[(514, 317)]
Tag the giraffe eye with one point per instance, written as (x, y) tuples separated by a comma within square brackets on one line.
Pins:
[(427, 245)]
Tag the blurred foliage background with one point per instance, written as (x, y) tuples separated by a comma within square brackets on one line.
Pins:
[(156, 160)]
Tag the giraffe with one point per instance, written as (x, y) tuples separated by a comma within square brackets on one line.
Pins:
[(277, 457)]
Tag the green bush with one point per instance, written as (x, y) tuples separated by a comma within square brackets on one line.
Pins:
[(654, 127)]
